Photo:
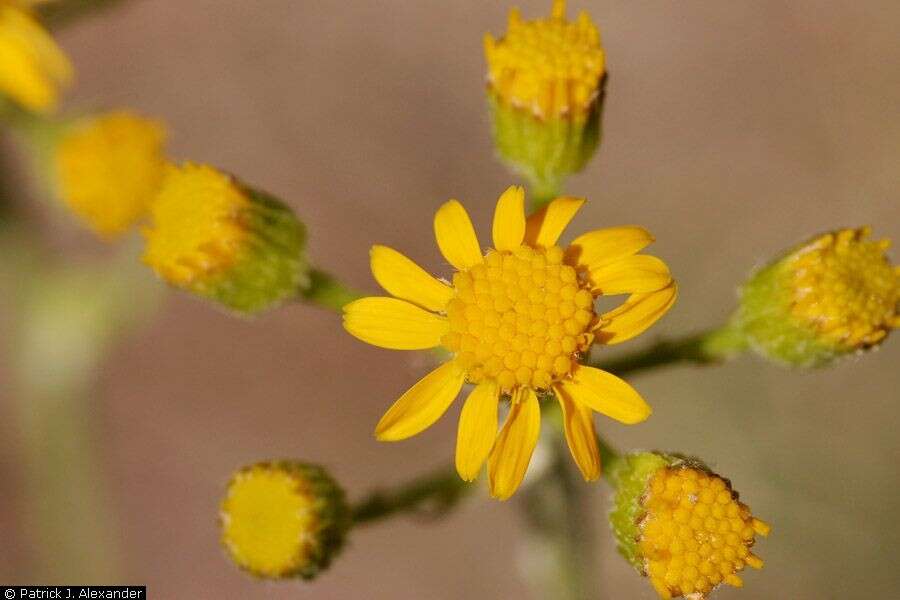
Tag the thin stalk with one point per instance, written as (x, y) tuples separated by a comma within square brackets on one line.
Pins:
[(709, 347), (327, 292), (542, 191), (560, 544), (433, 494)]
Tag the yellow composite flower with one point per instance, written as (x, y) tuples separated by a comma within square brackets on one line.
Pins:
[(517, 320), (32, 66)]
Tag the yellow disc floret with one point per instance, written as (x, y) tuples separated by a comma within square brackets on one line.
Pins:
[(283, 519), (695, 533), (32, 67), (197, 228), (109, 169), (520, 318), (845, 288), (550, 66)]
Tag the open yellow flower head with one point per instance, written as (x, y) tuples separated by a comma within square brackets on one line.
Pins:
[(682, 525), (283, 519), (833, 295), (544, 93), (33, 69), (109, 167), (518, 321), (219, 239), (551, 67)]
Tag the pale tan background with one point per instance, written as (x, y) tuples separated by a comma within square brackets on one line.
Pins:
[(732, 129)]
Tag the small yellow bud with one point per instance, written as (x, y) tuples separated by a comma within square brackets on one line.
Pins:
[(219, 239), (682, 525), (544, 90), (32, 66), (833, 295), (550, 67), (283, 519), (108, 169)]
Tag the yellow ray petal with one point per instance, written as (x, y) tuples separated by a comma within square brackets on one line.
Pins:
[(509, 219), (477, 430), (606, 394), (456, 236), (635, 315), (34, 66), (544, 227), (631, 275), (512, 452), (603, 246), (392, 323), (580, 435), (422, 404), (404, 279)]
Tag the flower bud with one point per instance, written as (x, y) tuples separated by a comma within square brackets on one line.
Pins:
[(33, 66), (214, 237), (108, 168), (833, 295), (283, 519), (544, 79), (681, 525)]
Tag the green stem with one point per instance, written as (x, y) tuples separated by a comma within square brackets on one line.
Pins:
[(327, 292), (435, 493), (713, 346), (542, 191), (560, 544)]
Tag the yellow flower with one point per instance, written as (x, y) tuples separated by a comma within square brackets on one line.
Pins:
[(217, 238), (283, 519), (109, 168), (550, 66), (32, 67), (518, 320), (682, 525), (845, 288), (833, 295)]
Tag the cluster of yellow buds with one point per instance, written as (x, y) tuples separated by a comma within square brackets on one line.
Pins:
[(283, 519), (681, 525), (208, 233), (220, 239), (833, 295), (544, 92)]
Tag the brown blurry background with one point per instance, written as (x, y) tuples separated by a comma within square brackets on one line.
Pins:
[(731, 130)]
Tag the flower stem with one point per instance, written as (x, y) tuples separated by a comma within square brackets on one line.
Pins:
[(713, 346), (560, 543), (434, 494), (542, 191), (327, 292)]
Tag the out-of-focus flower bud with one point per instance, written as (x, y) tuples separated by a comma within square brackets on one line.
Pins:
[(544, 91), (833, 295), (217, 238), (283, 519), (681, 525), (108, 167)]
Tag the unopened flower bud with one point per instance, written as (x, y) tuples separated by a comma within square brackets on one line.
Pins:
[(217, 238), (544, 91), (108, 168), (834, 295), (283, 519), (681, 525)]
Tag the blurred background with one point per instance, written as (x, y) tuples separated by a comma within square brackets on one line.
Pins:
[(731, 130)]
